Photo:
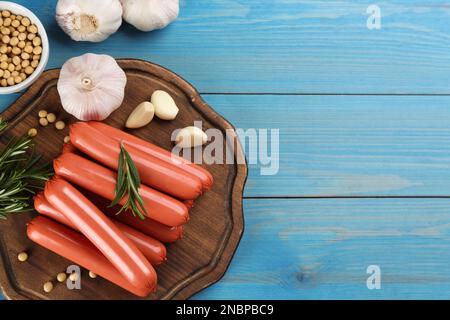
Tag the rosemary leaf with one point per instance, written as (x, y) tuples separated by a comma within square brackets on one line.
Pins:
[(128, 183), (21, 175)]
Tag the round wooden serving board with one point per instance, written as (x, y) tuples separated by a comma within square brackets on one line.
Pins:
[(211, 236)]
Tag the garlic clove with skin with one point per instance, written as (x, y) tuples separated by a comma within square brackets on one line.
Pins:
[(91, 86), (89, 20), (148, 15)]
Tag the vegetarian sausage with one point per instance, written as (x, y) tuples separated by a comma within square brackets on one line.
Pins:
[(154, 172), (90, 221), (102, 181), (152, 249), (153, 150), (148, 226), (75, 247)]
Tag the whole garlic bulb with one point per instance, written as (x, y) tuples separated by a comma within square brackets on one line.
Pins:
[(89, 20), (91, 86), (148, 15)]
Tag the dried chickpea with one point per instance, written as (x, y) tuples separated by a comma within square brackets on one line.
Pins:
[(3, 48), (31, 36), (25, 22), (37, 50), (14, 74), (34, 63), (3, 57), (29, 70), (21, 44), (6, 39), (5, 31), (51, 117), (8, 49), (22, 36), (11, 67), (18, 67), (19, 17), (4, 65), (42, 113), (15, 33), (6, 13), (14, 41), (15, 23), (32, 132), (16, 60), (32, 28), (27, 49), (43, 122), (7, 22), (12, 16), (23, 256), (17, 80), (61, 277), (25, 63), (16, 51), (73, 277), (37, 41), (21, 29), (60, 125), (10, 81), (48, 287), (3, 83), (6, 74), (1, 21), (23, 76), (37, 57), (25, 56)]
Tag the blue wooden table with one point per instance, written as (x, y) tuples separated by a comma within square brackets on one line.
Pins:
[(364, 120)]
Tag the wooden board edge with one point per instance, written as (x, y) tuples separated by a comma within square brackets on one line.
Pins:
[(214, 272)]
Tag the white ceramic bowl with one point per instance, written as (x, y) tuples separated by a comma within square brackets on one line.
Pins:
[(21, 10)]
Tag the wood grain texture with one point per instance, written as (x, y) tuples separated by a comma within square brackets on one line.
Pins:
[(216, 220), (321, 248), (348, 145), (290, 46), (330, 145)]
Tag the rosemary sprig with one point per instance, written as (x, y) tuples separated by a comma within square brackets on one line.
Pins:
[(128, 183), (3, 125), (20, 175)]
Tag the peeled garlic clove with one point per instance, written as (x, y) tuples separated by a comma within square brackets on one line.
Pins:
[(148, 15), (141, 116), (165, 107), (91, 86), (87, 20), (191, 137)]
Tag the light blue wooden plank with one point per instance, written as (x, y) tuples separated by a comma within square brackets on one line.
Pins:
[(321, 248), (348, 145), (286, 46)]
